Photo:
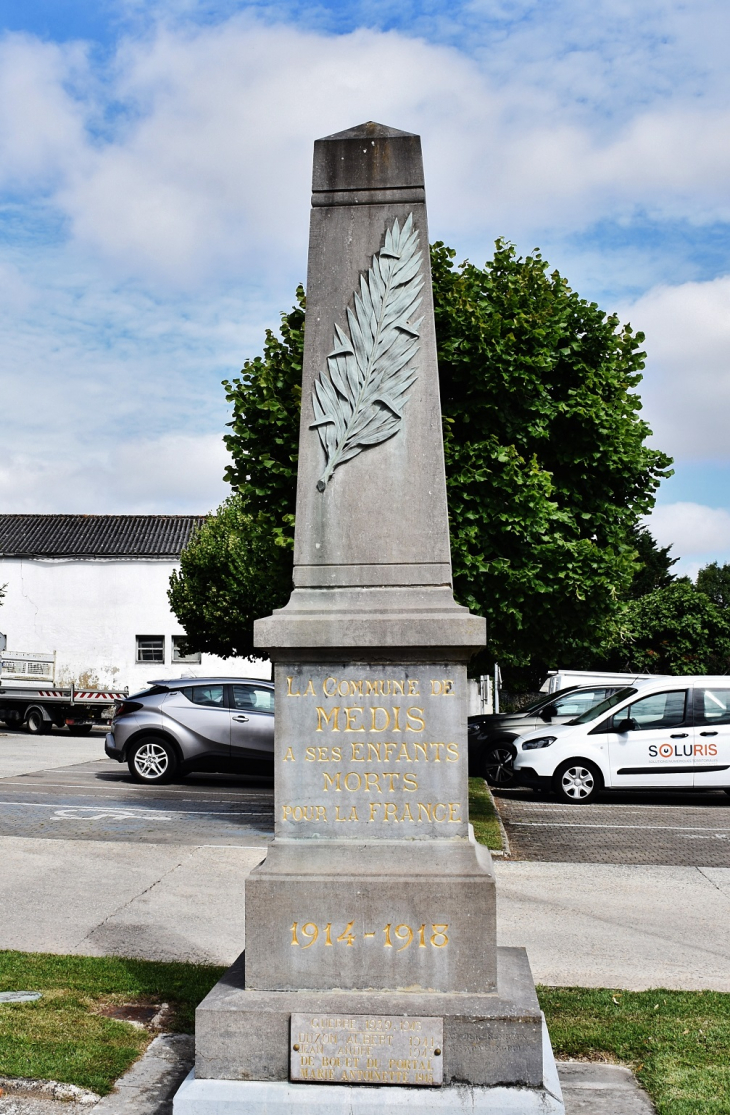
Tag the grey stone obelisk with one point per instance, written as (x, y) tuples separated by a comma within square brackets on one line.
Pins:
[(374, 901)]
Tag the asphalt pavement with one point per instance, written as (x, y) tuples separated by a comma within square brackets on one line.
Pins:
[(96, 799), (661, 828)]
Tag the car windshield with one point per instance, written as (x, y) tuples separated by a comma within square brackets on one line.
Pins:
[(604, 706), (535, 706)]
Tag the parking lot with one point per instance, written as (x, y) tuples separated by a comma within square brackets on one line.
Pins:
[(667, 829), (96, 799)]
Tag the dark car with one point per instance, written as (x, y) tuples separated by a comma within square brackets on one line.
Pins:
[(491, 747), (206, 724)]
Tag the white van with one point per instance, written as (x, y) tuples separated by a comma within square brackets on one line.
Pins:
[(666, 734)]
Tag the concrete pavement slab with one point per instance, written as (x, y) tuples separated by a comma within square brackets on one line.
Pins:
[(617, 925), (593, 925), (22, 754), (161, 902)]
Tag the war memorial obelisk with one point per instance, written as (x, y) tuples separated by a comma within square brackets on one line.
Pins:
[(372, 977)]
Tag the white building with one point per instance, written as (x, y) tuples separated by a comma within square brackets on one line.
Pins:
[(93, 589)]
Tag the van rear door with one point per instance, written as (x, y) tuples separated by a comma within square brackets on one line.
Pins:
[(712, 736)]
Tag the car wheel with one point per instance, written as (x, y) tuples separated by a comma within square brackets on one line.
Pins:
[(36, 725), (152, 761), (498, 766), (577, 781)]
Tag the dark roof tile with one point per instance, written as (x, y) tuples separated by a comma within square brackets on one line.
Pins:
[(91, 536)]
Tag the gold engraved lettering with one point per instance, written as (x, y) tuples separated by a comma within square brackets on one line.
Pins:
[(413, 687), (374, 806), (374, 755), (374, 719), (309, 754), (437, 806), (289, 689), (329, 780), (440, 932), (350, 719), (403, 754), (399, 688), (374, 780), (407, 815), (424, 808), (391, 812), (289, 757), (439, 747), (452, 752), (390, 775), (416, 715), (357, 756), (329, 690), (396, 719), (333, 715), (422, 747), (309, 691), (409, 782), (349, 777), (405, 935), (454, 812)]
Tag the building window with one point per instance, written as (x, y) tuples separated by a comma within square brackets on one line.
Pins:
[(179, 656), (150, 648)]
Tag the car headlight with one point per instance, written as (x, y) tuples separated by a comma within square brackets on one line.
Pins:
[(543, 741)]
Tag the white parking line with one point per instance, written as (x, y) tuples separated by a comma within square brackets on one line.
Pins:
[(581, 825), (147, 812)]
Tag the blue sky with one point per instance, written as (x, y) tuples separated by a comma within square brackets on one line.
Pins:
[(154, 166)]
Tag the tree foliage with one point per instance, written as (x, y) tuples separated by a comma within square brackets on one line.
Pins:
[(677, 629), (714, 581), (547, 469)]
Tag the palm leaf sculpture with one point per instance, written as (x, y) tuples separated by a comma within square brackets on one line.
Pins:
[(359, 401)]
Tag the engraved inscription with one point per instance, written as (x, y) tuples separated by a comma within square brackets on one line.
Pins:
[(400, 937), (367, 1049), (371, 754)]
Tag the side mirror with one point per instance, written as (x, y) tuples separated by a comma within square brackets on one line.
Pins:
[(625, 725), (548, 712)]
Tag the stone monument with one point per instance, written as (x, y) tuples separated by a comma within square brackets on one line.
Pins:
[(371, 953)]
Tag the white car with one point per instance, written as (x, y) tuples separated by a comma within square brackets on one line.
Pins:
[(668, 734)]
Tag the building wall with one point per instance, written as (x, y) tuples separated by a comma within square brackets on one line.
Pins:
[(90, 611)]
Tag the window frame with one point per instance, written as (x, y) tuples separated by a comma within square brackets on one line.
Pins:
[(150, 661), (187, 659)]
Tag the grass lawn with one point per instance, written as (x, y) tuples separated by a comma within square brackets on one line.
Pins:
[(60, 1037), (483, 815), (677, 1042)]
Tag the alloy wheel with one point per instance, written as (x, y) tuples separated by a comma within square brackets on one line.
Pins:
[(498, 766), (151, 761)]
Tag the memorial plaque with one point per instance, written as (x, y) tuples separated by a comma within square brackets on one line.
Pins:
[(371, 753), (367, 1049)]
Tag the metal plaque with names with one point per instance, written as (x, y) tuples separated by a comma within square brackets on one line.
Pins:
[(367, 1049)]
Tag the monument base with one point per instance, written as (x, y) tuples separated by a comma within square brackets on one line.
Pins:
[(259, 1097), (489, 1039)]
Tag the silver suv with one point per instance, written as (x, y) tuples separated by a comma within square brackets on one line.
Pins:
[(211, 724)]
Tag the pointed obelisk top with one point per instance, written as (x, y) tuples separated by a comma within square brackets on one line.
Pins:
[(369, 156)]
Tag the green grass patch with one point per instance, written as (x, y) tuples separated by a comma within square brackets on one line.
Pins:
[(677, 1042), (483, 815), (60, 1037)]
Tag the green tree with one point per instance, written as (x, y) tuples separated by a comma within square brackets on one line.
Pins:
[(714, 581), (654, 564), (675, 630), (547, 469)]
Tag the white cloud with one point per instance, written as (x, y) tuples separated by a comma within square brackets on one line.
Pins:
[(686, 390), (697, 534), (175, 473), (175, 182)]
